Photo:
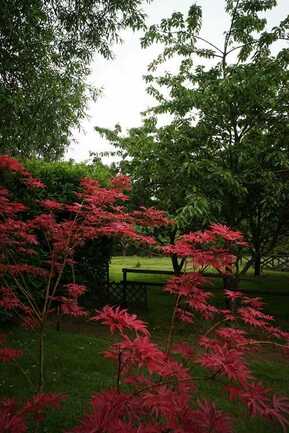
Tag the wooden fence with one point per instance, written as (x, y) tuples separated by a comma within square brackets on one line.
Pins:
[(276, 263), (136, 293)]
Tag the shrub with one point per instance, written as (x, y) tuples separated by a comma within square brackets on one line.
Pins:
[(156, 388), (62, 181), (43, 246)]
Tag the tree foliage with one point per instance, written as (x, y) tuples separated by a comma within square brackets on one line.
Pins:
[(44, 245), (45, 51), (226, 145), (62, 181), (156, 386)]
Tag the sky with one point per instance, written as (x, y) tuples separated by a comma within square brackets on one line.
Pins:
[(124, 94)]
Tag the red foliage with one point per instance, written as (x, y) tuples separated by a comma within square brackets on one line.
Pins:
[(8, 299), (10, 420), (51, 204), (107, 410), (210, 248), (150, 217), (97, 212), (254, 317), (160, 393), (222, 359), (121, 182), (15, 419), (140, 352), (9, 354), (40, 402), (184, 349), (186, 284), (33, 183), (166, 388), (210, 419), (11, 164), (120, 320), (261, 402), (70, 307), (227, 234), (75, 290)]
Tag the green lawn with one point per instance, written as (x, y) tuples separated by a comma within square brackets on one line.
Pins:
[(153, 263), (75, 365), (270, 281), (266, 284)]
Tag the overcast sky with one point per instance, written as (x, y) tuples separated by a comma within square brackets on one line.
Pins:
[(124, 96)]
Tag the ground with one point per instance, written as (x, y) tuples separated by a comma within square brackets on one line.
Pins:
[(272, 286), (75, 365)]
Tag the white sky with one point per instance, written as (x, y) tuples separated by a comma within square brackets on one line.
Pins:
[(124, 96)]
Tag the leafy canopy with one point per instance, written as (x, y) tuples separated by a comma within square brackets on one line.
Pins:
[(45, 51), (228, 120)]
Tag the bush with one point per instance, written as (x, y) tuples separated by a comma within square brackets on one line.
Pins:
[(62, 181)]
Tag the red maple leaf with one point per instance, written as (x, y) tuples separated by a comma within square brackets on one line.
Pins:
[(8, 354), (118, 319), (208, 419)]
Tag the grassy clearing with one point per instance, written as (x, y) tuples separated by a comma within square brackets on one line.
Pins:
[(270, 281), (267, 284), (75, 365)]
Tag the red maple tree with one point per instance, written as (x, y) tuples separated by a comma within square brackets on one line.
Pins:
[(96, 212), (156, 387)]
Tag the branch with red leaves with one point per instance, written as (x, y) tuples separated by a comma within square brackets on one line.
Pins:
[(96, 212), (155, 390)]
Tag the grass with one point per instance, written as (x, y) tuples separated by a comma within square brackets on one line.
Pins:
[(152, 263), (75, 366), (270, 281), (264, 286)]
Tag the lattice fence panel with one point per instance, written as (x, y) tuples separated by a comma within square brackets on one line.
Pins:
[(129, 293), (136, 293), (276, 263)]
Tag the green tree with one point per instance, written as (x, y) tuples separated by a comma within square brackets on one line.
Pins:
[(156, 158), (45, 50), (228, 135)]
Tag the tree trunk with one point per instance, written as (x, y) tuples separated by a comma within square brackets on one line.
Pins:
[(257, 263), (249, 263), (177, 266), (124, 247), (41, 360)]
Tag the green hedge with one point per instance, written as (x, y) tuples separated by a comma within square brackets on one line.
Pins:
[(62, 180)]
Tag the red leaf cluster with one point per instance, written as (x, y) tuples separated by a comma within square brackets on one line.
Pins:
[(11, 164), (210, 248), (15, 419), (120, 320), (56, 232), (161, 389), (9, 354)]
